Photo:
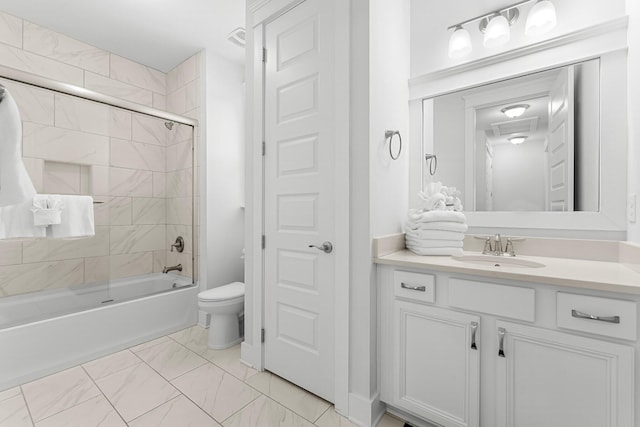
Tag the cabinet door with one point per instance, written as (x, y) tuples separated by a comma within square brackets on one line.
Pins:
[(552, 379), (436, 369)]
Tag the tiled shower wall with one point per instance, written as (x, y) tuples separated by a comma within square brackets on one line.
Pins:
[(184, 98), (132, 162)]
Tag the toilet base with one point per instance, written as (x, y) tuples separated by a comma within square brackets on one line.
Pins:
[(224, 331)]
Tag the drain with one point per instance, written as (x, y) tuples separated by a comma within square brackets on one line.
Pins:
[(496, 265), (104, 302)]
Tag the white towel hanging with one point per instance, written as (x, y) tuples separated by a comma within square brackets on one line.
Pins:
[(15, 185)]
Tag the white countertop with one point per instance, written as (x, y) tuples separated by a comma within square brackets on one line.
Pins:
[(577, 273)]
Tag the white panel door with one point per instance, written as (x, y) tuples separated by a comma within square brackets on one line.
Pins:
[(436, 363), (299, 199), (561, 153), (551, 379)]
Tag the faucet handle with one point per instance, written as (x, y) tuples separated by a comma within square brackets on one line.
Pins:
[(508, 249), (488, 248)]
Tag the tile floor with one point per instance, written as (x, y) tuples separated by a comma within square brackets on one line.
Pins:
[(173, 381)]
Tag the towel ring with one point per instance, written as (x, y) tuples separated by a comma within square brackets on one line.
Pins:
[(432, 161), (389, 134)]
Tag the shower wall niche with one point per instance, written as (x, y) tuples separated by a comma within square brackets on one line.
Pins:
[(139, 170)]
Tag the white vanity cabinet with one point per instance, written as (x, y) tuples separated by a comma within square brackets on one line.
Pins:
[(465, 356), (554, 379), (436, 368)]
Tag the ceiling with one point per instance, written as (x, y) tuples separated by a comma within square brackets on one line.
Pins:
[(158, 33)]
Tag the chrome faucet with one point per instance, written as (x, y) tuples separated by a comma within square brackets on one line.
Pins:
[(173, 268), (497, 245), (493, 246)]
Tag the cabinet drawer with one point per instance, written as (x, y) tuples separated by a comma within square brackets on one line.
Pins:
[(500, 300), (416, 286), (602, 316)]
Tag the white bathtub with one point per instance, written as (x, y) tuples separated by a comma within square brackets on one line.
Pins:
[(45, 332)]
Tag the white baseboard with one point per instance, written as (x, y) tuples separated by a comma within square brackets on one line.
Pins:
[(251, 356), (365, 412)]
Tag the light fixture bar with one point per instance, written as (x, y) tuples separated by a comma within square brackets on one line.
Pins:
[(486, 15)]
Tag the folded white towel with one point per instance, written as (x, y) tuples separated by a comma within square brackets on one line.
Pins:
[(47, 210), (420, 216), (16, 222), (15, 184), (77, 219), (456, 227), (433, 243), (433, 234), (436, 251), (436, 196)]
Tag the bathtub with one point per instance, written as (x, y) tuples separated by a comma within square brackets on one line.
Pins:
[(45, 332)]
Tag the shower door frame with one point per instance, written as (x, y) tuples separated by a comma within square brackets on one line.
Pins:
[(24, 77)]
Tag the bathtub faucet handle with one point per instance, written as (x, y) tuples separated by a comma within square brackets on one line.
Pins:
[(179, 244)]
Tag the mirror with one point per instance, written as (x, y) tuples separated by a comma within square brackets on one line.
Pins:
[(530, 143)]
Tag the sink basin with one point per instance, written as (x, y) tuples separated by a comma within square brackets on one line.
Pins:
[(497, 261)]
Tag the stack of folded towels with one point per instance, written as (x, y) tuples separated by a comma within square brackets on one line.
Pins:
[(438, 227)]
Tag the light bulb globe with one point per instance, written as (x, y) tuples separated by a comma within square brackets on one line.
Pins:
[(459, 43), (541, 19), (497, 32)]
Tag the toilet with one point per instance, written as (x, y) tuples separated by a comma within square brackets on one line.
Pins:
[(225, 304)]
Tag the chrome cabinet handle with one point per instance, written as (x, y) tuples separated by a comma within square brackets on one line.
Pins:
[(501, 332), (326, 247), (474, 330), (581, 315), (413, 288)]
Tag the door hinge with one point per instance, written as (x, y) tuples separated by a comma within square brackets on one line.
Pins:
[(263, 241), (264, 54), (262, 335), (264, 148)]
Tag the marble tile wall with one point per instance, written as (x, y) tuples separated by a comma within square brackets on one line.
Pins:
[(132, 162), (114, 156)]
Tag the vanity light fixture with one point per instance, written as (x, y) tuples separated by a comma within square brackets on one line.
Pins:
[(513, 111), (515, 140), (496, 26)]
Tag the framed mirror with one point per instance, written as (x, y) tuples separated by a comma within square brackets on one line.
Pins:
[(509, 188), (527, 144)]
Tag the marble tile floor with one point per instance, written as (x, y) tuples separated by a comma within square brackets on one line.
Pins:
[(173, 381)]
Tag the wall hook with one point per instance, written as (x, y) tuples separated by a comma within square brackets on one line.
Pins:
[(389, 134)]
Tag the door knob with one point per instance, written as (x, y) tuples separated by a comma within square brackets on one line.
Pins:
[(326, 247)]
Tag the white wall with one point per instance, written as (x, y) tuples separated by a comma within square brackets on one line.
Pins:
[(224, 151), (389, 109), (449, 140), (430, 38), (587, 137), (379, 186), (633, 103), (518, 167)]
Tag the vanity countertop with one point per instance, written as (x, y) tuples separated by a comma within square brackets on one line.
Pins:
[(578, 273)]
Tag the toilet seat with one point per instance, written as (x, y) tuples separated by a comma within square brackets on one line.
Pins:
[(223, 293)]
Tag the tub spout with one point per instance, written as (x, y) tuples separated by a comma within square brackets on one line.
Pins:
[(173, 268)]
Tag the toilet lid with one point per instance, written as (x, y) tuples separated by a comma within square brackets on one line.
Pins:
[(221, 293)]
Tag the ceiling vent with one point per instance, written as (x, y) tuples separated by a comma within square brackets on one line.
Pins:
[(528, 125), (238, 37)]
